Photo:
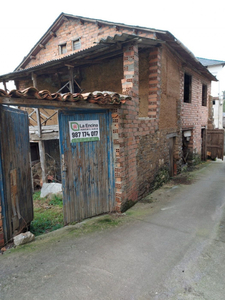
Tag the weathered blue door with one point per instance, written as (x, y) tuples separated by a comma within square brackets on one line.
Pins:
[(15, 172), (87, 163)]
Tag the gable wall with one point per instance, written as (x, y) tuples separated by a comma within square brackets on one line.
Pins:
[(89, 33)]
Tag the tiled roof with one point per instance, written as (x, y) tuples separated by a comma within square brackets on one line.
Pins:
[(99, 97), (210, 62)]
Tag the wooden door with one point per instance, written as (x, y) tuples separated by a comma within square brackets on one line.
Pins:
[(87, 165), (15, 172), (215, 143)]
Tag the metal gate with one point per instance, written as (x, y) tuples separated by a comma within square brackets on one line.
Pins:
[(87, 164), (215, 143), (15, 172)]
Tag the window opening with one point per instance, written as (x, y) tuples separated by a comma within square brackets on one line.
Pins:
[(62, 49), (204, 95), (187, 87), (76, 44)]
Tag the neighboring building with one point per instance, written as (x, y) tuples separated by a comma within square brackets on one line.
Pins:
[(216, 67), (159, 128)]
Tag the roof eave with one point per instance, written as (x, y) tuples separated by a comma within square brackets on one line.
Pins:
[(180, 47), (26, 59)]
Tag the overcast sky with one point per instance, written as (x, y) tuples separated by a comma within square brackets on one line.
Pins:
[(199, 25)]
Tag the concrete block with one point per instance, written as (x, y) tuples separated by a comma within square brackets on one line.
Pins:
[(50, 188)]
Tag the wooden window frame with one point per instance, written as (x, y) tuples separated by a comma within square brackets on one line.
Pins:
[(61, 47), (78, 42)]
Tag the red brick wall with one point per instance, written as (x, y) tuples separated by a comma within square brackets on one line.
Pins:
[(140, 148), (140, 143), (88, 32), (194, 115), (140, 138)]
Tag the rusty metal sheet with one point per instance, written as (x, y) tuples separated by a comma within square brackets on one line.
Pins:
[(15, 172), (87, 168)]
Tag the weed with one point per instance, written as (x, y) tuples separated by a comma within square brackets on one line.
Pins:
[(161, 178), (56, 200), (109, 221), (48, 214), (37, 195)]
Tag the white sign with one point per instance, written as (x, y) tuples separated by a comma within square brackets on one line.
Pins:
[(84, 131)]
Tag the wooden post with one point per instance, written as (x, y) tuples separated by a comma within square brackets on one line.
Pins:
[(71, 80), (41, 144), (5, 87)]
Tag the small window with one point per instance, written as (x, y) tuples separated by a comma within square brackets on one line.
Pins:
[(62, 49), (204, 95), (76, 44), (187, 87)]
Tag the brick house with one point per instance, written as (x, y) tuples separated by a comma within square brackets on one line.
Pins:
[(168, 111)]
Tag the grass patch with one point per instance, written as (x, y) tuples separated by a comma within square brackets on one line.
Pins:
[(48, 214), (109, 221)]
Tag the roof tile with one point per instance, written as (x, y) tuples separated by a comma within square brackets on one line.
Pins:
[(98, 97)]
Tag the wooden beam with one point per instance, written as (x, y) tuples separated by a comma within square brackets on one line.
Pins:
[(45, 127), (98, 24), (71, 80), (116, 27), (52, 33), (42, 46), (69, 66), (5, 87), (41, 143), (49, 117), (34, 80), (45, 137), (81, 21)]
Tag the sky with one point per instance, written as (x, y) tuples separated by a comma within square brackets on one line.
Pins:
[(199, 25)]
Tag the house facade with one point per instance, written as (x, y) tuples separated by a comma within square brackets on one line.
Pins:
[(216, 67), (159, 126)]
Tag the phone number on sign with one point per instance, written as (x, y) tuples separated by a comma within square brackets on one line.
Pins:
[(84, 134)]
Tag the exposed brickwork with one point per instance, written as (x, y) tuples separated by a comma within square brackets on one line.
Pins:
[(88, 32), (140, 148), (154, 83), (194, 115), (142, 128)]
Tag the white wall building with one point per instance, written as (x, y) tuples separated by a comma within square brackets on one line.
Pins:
[(216, 67)]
